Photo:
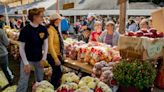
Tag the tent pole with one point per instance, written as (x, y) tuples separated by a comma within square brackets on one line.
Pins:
[(6, 14), (57, 6), (23, 17), (123, 8), (127, 8)]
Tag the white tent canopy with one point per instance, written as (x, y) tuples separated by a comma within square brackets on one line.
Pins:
[(8, 1), (15, 3)]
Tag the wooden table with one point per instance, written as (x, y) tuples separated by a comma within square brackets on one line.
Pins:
[(79, 66)]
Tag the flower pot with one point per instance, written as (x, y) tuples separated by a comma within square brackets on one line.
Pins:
[(128, 89)]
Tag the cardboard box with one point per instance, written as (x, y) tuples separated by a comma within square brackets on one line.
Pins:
[(158, 19), (140, 48)]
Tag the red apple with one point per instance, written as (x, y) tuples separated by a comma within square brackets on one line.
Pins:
[(131, 34), (152, 30), (148, 34), (63, 90), (139, 34), (160, 34), (98, 90), (144, 30)]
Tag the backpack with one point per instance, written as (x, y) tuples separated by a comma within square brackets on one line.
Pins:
[(64, 25)]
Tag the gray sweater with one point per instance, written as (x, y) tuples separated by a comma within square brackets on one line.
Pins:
[(116, 36), (4, 42)]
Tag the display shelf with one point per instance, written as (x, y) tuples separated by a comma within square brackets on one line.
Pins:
[(77, 65)]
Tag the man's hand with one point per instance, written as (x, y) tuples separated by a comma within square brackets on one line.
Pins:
[(27, 69), (42, 63)]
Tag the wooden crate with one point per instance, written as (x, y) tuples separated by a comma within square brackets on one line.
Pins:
[(140, 48)]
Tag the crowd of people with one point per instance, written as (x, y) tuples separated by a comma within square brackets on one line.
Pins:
[(42, 38)]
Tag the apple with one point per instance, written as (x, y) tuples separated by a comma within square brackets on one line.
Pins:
[(98, 90), (152, 30), (148, 34), (131, 34), (139, 34), (160, 34), (144, 30), (64, 90)]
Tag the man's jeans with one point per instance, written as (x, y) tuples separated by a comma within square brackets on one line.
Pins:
[(24, 78), (5, 68)]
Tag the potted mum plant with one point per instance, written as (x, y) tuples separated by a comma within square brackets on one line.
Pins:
[(134, 76)]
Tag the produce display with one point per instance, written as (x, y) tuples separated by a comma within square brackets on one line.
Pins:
[(10, 89), (71, 48), (43, 86), (104, 71), (92, 52), (69, 78), (152, 33), (141, 47), (102, 87), (14, 51), (89, 82), (13, 35), (68, 87), (84, 89), (86, 84), (48, 73)]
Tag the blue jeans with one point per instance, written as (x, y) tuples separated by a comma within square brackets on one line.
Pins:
[(5, 68), (24, 78)]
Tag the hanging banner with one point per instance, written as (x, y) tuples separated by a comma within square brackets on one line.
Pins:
[(68, 6)]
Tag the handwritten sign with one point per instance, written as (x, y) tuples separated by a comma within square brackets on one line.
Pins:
[(153, 49)]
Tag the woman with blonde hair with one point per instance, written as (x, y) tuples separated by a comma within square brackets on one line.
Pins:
[(97, 31), (56, 49)]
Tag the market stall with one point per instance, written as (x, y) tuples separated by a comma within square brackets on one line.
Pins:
[(108, 68), (146, 45)]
